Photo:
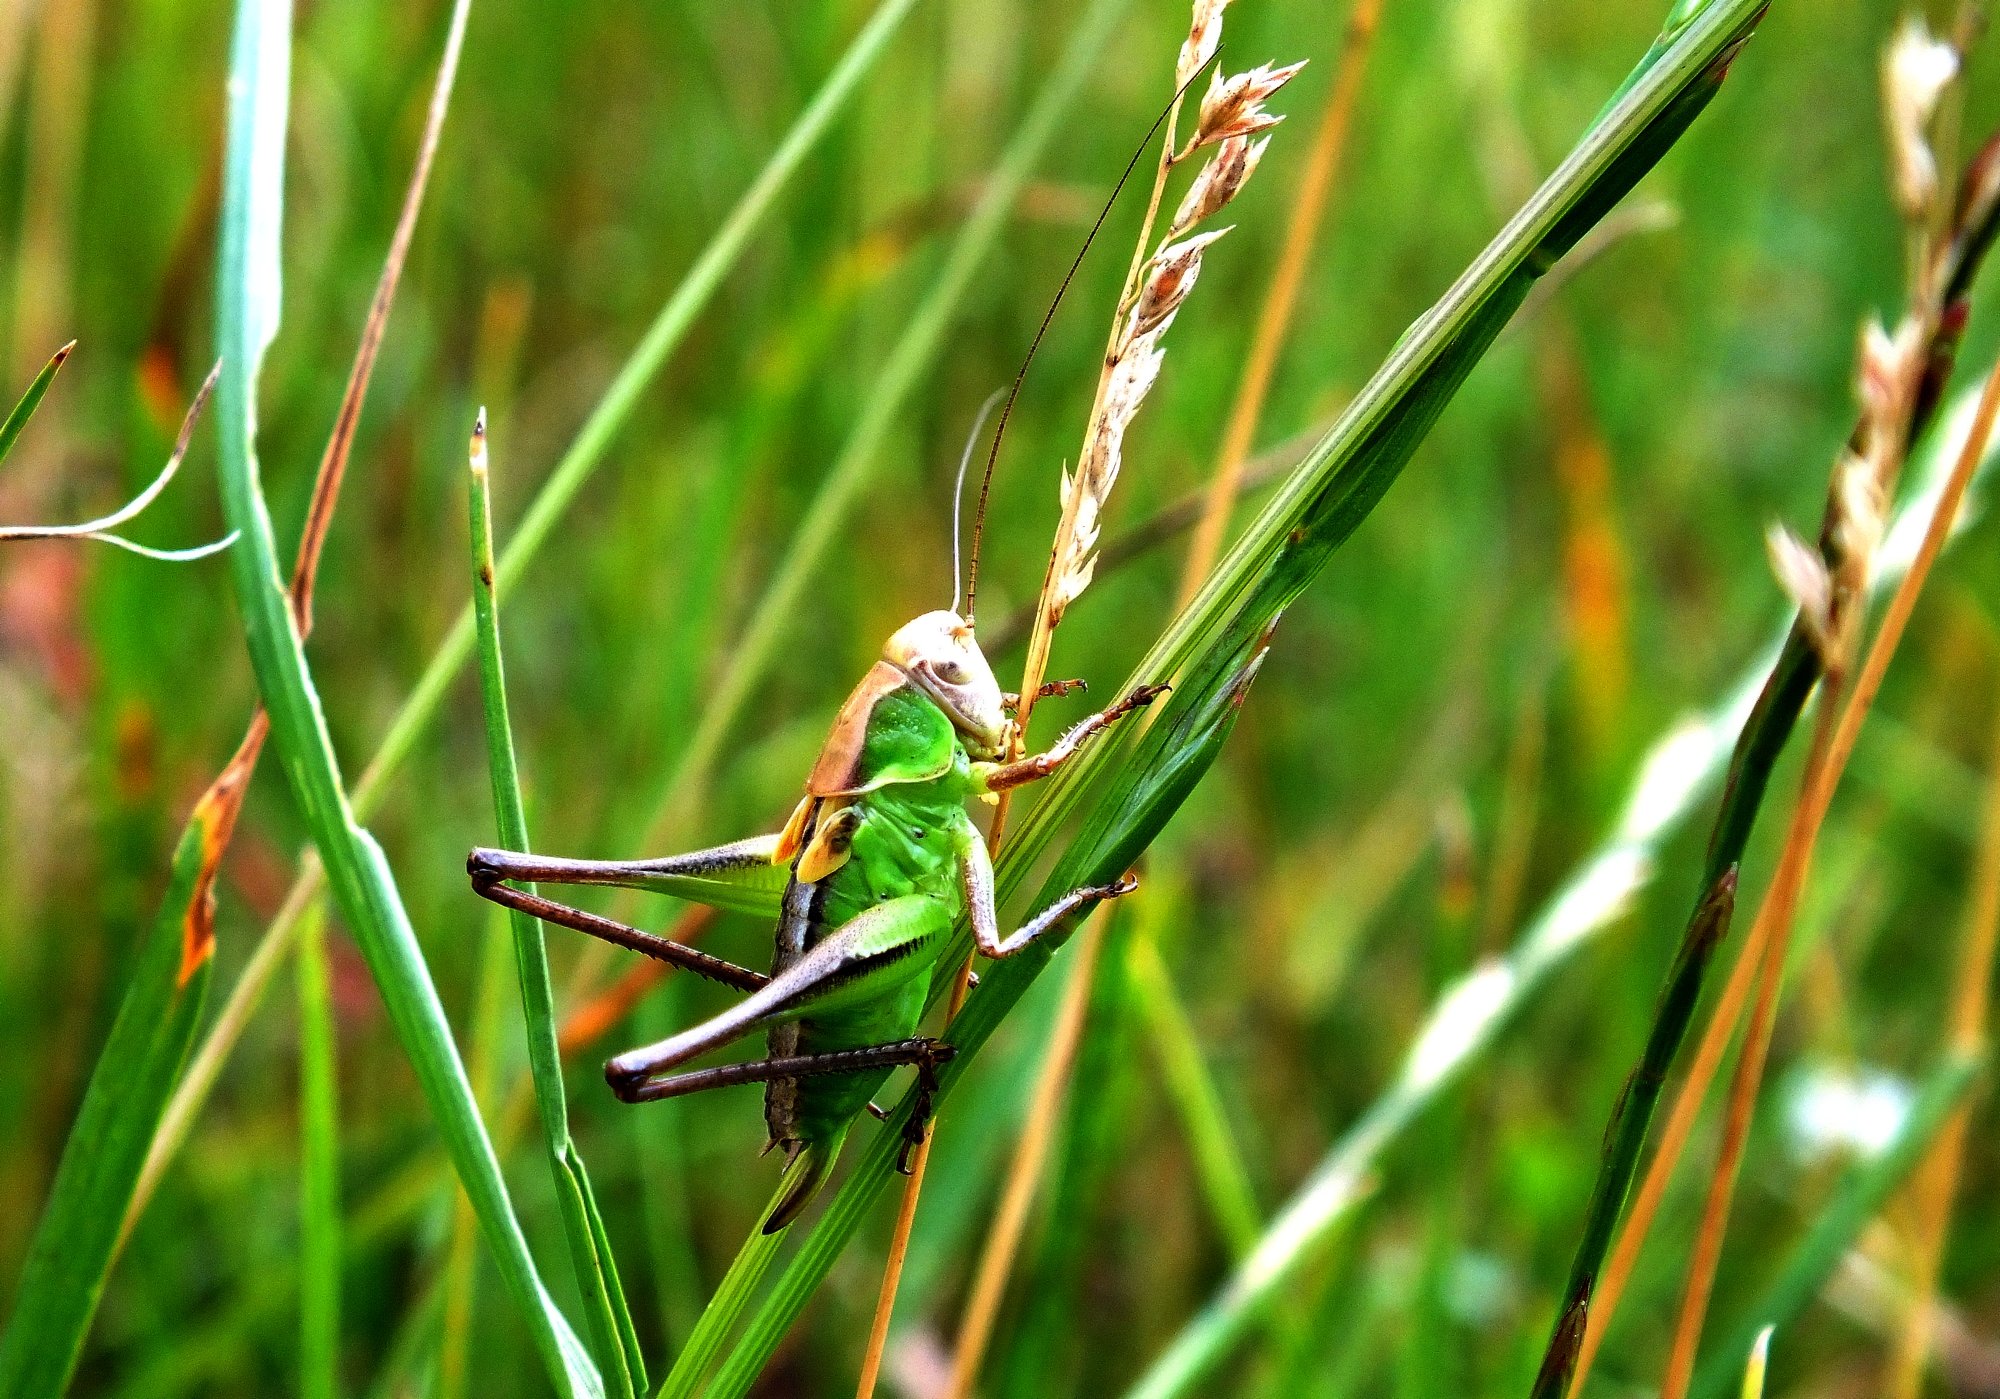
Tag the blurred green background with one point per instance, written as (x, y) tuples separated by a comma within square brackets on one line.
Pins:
[(1447, 726)]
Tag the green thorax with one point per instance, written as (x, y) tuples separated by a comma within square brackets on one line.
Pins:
[(914, 778)]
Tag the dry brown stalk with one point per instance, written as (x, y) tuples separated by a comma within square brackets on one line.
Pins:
[(1274, 319), (899, 1236), (1935, 1189), (1003, 1241), (1822, 776)]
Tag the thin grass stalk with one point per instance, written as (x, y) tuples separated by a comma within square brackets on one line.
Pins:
[(1024, 1172), (1775, 921), (1210, 646), (1836, 1226), (1003, 1240), (1681, 1117), (1795, 864), (1934, 1192), (897, 1254), (1155, 285), (586, 453), (247, 312), (1958, 257), (1674, 777), (612, 1334), (1274, 317), (319, 1175), (1903, 381)]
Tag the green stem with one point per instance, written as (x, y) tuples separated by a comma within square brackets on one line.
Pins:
[(615, 1341)]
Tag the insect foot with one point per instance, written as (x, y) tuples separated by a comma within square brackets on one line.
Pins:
[(920, 1115), (1124, 885)]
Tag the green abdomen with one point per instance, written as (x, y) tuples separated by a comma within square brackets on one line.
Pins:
[(905, 846)]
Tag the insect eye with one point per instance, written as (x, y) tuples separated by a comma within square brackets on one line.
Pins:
[(951, 672)]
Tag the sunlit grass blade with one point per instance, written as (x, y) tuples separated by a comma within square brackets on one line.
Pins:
[(1276, 557), (586, 453), (319, 1174), (247, 311), (1673, 778), (616, 1343), (78, 1234), (30, 400), (1836, 1226)]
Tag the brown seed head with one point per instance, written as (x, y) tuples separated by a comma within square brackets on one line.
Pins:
[(1227, 171), (1169, 278), (1234, 106), (1204, 36)]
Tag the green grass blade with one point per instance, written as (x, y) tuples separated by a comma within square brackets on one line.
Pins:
[(1278, 555), (319, 1173), (1679, 772), (31, 400), (77, 1236), (732, 1295), (421, 706), (247, 310), (612, 1335), (1862, 1193)]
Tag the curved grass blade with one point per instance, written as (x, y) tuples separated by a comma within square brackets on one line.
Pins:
[(103, 529), (1859, 1198), (247, 310), (1678, 773), (616, 1343), (1280, 553), (31, 399), (578, 464), (78, 1235)]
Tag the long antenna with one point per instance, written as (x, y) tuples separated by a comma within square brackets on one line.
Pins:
[(993, 455), (958, 490)]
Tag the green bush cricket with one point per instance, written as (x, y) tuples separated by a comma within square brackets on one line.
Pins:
[(866, 882)]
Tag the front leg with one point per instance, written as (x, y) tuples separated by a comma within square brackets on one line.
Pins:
[(975, 872), (998, 777)]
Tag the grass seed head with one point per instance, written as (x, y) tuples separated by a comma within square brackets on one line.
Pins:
[(1915, 73), (1204, 37), (1228, 170), (1234, 106)]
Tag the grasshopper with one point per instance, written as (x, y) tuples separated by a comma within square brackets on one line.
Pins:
[(866, 882)]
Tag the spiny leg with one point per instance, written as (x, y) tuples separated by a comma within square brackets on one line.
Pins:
[(998, 777), (926, 1053), (975, 872), (870, 956), (746, 876), (488, 886)]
